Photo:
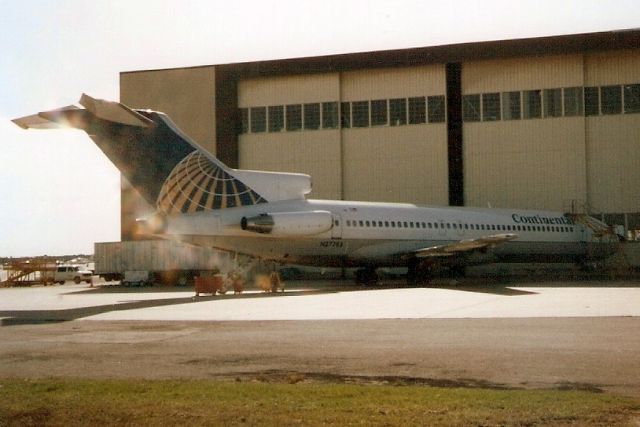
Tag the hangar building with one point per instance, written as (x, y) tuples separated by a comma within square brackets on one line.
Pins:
[(544, 123)]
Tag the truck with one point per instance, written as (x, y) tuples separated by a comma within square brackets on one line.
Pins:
[(148, 262)]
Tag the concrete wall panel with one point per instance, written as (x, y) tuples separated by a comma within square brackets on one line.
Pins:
[(187, 95)]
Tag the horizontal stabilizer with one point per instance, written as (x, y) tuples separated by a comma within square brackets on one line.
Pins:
[(45, 120), (114, 112)]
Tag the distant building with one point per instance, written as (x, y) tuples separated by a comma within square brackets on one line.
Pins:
[(549, 123)]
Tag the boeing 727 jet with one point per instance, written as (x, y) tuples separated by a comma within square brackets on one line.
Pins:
[(267, 215)]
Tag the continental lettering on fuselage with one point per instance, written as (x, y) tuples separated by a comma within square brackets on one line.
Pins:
[(538, 219), (331, 244)]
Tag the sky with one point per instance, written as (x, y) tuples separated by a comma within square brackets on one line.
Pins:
[(59, 194)]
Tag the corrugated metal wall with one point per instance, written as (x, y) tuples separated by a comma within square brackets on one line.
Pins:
[(397, 164)]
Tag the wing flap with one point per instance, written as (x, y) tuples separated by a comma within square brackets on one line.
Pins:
[(464, 246)]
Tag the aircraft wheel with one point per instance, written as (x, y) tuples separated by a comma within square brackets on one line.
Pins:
[(367, 277), (419, 274)]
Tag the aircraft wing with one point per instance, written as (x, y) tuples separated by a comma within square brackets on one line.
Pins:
[(464, 246)]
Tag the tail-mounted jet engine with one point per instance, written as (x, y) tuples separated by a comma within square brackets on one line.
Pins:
[(289, 223), (154, 224)]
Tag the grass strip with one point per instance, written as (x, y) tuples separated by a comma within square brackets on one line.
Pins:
[(202, 402)]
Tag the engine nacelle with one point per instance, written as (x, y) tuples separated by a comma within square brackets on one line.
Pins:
[(289, 223), (153, 224)]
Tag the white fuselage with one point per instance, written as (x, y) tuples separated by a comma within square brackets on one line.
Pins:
[(381, 234)]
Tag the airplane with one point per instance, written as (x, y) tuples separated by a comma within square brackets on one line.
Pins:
[(266, 215)]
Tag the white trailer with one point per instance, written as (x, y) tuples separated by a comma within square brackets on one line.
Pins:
[(164, 261)]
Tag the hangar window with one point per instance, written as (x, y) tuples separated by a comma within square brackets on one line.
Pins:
[(329, 115), (511, 105), (311, 116), (531, 104), (632, 98), (294, 117), (398, 111), (552, 102), (258, 119), (572, 101), (471, 108), (244, 120), (611, 99), (276, 118), (345, 115), (360, 114), (436, 109), (591, 101), (379, 112), (490, 107), (417, 110)]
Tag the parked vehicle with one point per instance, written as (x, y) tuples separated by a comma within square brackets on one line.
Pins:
[(148, 262), (65, 273)]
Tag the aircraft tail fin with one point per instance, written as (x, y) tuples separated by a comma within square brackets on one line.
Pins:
[(171, 171)]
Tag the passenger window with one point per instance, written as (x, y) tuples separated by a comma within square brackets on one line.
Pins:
[(411, 224), (361, 223), (393, 224), (386, 223), (406, 225), (379, 223)]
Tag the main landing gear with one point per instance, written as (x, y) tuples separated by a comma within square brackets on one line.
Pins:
[(419, 273), (367, 276)]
